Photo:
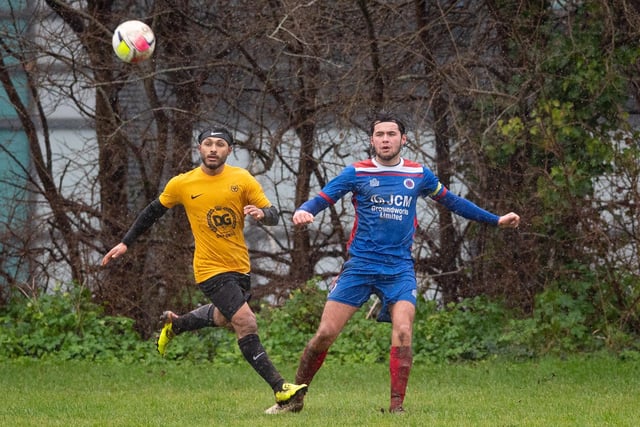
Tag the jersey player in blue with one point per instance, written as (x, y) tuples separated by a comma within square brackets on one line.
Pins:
[(384, 191)]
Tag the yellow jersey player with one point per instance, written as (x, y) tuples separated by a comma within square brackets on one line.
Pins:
[(217, 197)]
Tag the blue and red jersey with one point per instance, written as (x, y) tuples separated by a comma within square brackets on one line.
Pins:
[(385, 198)]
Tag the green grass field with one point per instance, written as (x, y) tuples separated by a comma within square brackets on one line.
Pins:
[(581, 391)]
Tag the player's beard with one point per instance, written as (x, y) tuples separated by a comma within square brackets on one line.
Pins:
[(389, 155), (214, 164)]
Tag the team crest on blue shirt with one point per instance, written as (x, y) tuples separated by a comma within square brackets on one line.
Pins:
[(374, 182), (408, 183)]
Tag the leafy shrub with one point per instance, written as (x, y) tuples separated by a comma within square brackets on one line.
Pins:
[(65, 324), (469, 330), (560, 323), (466, 331), (285, 330)]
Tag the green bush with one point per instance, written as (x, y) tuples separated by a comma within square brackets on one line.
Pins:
[(560, 323), (65, 324), (466, 331), (285, 330), (469, 330)]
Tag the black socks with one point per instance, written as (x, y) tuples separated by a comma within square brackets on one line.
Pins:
[(255, 354), (199, 318)]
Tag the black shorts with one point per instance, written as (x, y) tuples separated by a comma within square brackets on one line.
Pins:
[(227, 291)]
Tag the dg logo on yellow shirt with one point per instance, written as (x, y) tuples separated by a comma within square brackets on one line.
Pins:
[(222, 221)]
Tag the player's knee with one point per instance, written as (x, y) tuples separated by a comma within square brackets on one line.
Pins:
[(244, 322), (403, 334), (323, 338)]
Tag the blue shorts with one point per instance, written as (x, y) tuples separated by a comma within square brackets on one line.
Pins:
[(354, 288)]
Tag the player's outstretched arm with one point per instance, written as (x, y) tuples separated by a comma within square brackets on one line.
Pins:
[(143, 222), (510, 220)]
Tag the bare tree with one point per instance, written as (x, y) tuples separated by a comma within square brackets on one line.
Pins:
[(297, 82)]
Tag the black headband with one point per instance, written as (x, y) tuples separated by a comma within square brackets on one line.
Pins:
[(215, 133)]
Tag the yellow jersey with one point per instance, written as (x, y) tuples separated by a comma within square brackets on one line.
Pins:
[(214, 206)]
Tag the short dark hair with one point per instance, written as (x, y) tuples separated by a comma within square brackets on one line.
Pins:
[(386, 117), (217, 132)]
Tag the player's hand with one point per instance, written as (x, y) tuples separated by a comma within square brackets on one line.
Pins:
[(302, 218), (510, 220), (115, 252), (254, 211)]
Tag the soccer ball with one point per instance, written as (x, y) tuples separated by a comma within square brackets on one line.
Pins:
[(133, 41)]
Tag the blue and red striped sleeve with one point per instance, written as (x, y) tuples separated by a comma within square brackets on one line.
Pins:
[(463, 207)]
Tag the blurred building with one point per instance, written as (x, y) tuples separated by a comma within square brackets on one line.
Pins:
[(67, 131)]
